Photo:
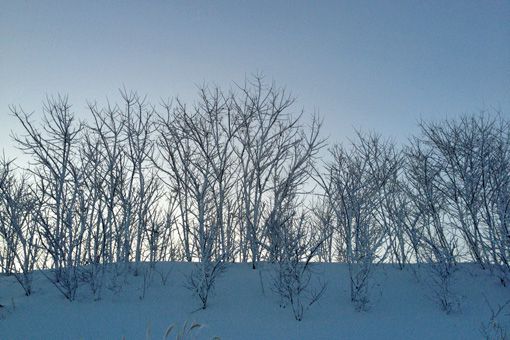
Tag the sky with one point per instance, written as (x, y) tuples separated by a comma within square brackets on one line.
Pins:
[(369, 65)]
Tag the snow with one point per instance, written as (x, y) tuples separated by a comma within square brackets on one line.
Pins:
[(240, 308)]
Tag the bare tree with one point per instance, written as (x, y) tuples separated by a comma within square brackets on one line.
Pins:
[(437, 242), (104, 148), (58, 182), (266, 138), (357, 178), (190, 150), (455, 148), (289, 177), (474, 152), (138, 116), (17, 225), (175, 155), (396, 215), (292, 279), (494, 145)]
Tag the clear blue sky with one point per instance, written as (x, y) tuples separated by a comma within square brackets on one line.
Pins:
[(378, 65)]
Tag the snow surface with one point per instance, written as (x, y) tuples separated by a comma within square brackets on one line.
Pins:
[(241, 308)]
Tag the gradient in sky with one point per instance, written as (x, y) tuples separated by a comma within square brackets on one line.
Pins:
[(377, 65)]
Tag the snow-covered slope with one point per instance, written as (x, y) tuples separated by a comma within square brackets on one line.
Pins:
[(244, 307)]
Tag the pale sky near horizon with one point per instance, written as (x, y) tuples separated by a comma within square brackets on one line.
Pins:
[(372, 65)]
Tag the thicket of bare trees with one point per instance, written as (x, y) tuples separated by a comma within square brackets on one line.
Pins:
[(230, 178)]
